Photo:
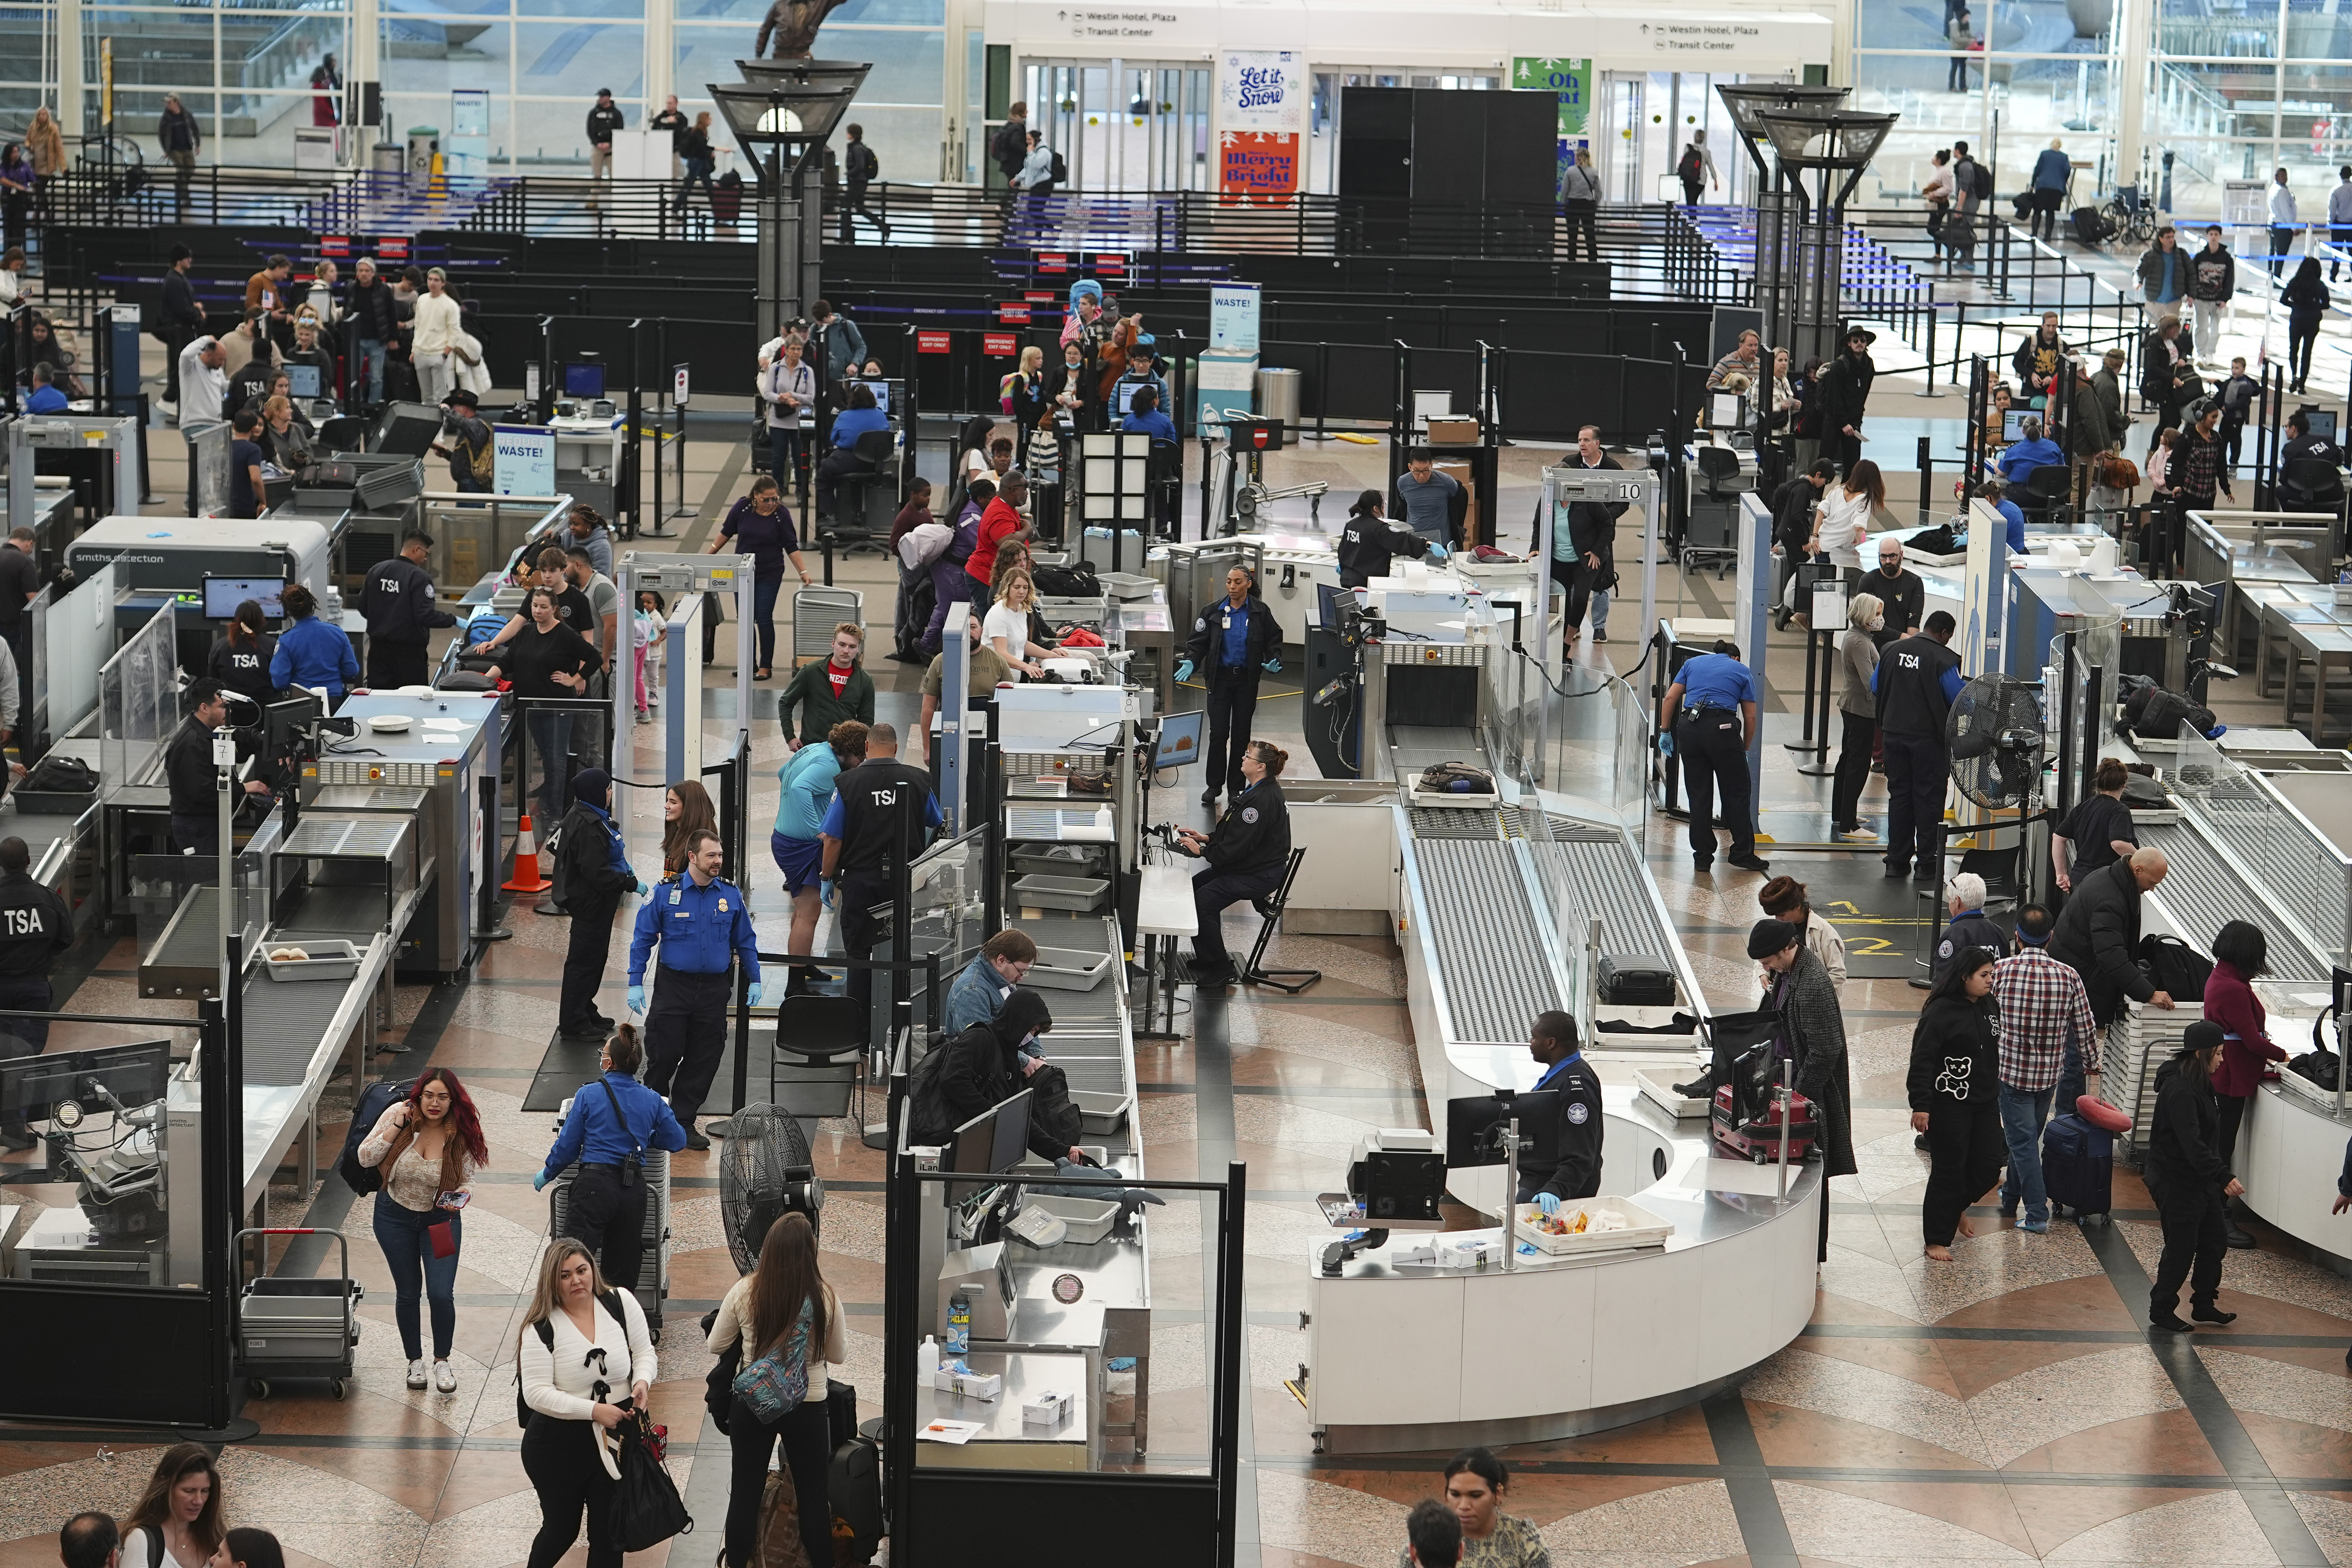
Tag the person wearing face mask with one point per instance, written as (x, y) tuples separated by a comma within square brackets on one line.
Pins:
[(982, 1067), (1074, 389)]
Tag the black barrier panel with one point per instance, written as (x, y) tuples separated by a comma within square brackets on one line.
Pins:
[(167, 1336), (1363, 382), (1447, 370), (1159, 1520)]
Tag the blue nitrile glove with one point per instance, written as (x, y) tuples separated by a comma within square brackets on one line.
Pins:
[(1547, 1202), (1437, 553), (643, 892), (538, 1180), (637, 1000), (1272, 666), (1184, 671), (824, 892), (1665, 743), (752, 997)]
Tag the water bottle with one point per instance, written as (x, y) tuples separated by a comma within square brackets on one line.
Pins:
[(959, 1324), (927, 1362)]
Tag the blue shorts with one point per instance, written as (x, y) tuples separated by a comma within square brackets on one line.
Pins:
[(800, 859)]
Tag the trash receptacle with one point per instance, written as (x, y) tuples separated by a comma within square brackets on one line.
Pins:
[(423, 142), (1277, 398), (388, 158)]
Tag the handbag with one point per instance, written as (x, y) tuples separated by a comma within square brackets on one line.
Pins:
[(773, 1387), (647, 1510), (718, 1384)]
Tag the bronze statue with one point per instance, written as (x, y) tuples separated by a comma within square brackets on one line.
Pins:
[(794, 24)]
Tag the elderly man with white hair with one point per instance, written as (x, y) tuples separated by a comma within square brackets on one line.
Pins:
[(2099, 934), (1964, 900)]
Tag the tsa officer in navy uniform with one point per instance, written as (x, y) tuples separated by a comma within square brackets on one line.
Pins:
[(1247, 853), (1552, 1041), (613, 1122), (34, 931), (1231, 641), (700, 923), (1710, 712)]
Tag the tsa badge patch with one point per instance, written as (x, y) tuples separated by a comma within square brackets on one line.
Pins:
[(1578, 1112), (1249, 813)]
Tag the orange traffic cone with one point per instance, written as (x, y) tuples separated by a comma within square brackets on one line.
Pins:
[(526, 879)]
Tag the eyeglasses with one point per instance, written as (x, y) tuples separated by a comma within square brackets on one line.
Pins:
[(764, 502)]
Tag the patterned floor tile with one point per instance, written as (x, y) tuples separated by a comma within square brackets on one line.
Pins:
[(1854, 1530), (2215, 1529)]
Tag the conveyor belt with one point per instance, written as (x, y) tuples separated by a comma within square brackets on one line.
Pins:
[(193, 939), (1461, 822), (2202, 893), (284, 1022), (1489, 949), (1609, 881), (1086, 1042), (330, 910)]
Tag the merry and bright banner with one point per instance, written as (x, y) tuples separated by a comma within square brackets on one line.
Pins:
[(1261, 121)]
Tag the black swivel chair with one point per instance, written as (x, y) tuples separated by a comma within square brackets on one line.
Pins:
[(2044, 487), (854, 529), (1270, 906), (818, 1040), (2310, 484)]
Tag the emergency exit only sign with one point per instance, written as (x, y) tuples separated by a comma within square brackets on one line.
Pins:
[(931, 343)]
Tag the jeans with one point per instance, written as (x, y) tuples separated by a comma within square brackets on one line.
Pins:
[(551, 737), (764, 617), (2280, 237), (2023, 1112), (369, 371), (807, 1436), (696, 169), (785, 449), (408, 1252)]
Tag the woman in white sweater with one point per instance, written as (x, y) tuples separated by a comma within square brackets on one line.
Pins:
[(1846, 516), (583, 1353), (1007, 626), (438, 328), (787, 1322)]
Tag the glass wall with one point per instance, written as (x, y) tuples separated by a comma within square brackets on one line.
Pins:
[(899, 106), (244, 70)]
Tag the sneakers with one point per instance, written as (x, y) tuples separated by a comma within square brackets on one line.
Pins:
[(445, 1377), (417, 1375), (2038, 1227), (1599, 635), (1857, 831), (644, 716)]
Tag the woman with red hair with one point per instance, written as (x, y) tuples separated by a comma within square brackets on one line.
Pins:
[(428, 1147)]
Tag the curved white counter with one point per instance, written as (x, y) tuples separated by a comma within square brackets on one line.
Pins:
[(1404, 1357), (2290, 1152)]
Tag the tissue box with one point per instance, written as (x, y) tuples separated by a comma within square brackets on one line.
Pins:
[(1046, 1409), (1484, 1253), (969, 1384)]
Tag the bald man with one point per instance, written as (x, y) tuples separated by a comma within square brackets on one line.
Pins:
[(2098, 934)]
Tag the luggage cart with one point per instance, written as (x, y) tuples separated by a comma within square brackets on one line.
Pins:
[(289, 1327)]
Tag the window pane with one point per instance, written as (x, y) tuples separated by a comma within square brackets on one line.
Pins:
[(2220, 30), (908, 68), (572, 60), (423, 58), (2215, 100), (748, 13), (1921, 88)]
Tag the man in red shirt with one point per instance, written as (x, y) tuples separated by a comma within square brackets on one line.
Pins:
[(1000, 523)]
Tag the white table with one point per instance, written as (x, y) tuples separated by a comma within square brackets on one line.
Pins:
[(1164, 911)]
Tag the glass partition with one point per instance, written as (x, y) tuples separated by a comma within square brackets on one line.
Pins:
[(2277, 848), (76, 636), (138, 696)]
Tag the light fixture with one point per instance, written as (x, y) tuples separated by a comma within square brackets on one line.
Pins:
[(1814, 139)]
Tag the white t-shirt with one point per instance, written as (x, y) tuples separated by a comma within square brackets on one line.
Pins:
[(1004, 622), (134, 1551), (1845, 523)]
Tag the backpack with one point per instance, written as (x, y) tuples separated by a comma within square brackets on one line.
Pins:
[(1061, 170), (2156, 714), (55, 775), (780, 1525), (862, 164), (2174, 966), (1691, 166), (481, 460), (927, 1107), (559, 877), (1979, 180), (773, 1387), (608, 1300), (1077, 581), (1940, 540), (1050, 1109), (1456, 778), (374, 1100)]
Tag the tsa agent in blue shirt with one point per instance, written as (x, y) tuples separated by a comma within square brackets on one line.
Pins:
[(702, 925), (310, 652), (1709, 713), (614, 1121), (2036, 451), (1996, 492), (45, 398)]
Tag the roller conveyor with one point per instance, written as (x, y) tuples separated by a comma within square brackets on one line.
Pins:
[(2203, 891), (1489, 948)]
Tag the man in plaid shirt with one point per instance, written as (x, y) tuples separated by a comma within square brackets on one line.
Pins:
[(2045, 1031)]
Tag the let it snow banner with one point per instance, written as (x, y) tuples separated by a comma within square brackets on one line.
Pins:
[(1261, 116)]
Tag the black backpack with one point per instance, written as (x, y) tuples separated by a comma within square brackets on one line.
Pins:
[(1691, 166), (1076, 581), (862, 164), (1061, 170), (1050, 1109), (55, 775), (374, 1100), (2174, 967), (611, 1301)]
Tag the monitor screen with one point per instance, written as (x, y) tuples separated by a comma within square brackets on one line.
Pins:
[(134, 1074), (1723, 410), (1011, 1139), (879, 387), (970, 1152), (284, 722), (1328, 596), (1473, 1126), (584, 380), (303, 381), (224, 594), (1180, 741), (2013, 424), (1124, 392), (2320, 422)]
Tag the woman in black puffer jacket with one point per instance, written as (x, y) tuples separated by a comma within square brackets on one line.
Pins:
[(2189, 1180), (1955, 1090)]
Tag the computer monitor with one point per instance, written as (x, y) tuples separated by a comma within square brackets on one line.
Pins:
[(1181, 738), (1123, 393), (1474, 1127), (1011, 1143), (224, 594), (1723, 410), (2320, 422), (302, 381), (583, 379), (971, 1152), (2013, 422), (284, 722), (1328, 598), (879, 387), (134, 1075)]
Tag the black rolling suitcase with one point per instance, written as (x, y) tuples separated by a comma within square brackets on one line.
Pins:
[(1635, 980), (2091, 227), (2078, 1166)]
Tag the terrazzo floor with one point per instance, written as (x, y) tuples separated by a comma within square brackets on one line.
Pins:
[(2009, 1407)]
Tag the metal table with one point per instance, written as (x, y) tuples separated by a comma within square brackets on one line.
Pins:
[(1004, 1441), (2323, 645)]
